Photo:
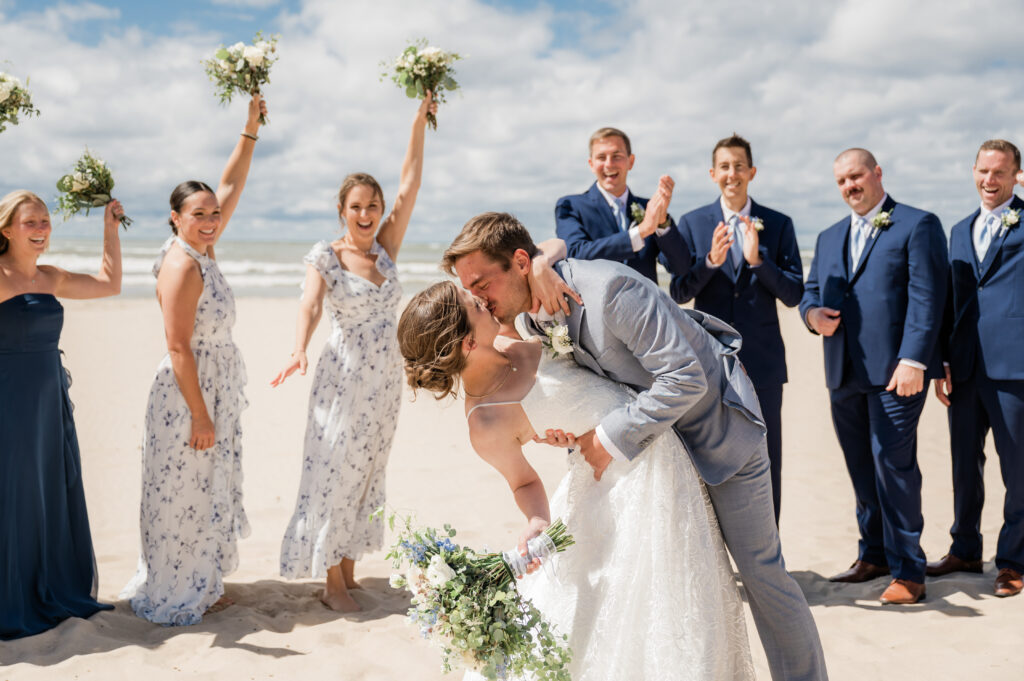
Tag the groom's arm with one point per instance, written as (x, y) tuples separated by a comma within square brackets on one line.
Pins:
[(654, 330)]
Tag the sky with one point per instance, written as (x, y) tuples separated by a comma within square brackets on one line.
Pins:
[(920, 83)]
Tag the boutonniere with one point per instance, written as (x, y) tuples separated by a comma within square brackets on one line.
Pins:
[(637, 212), (1010, 219), (757, 224), (558, 340), (881, 220)]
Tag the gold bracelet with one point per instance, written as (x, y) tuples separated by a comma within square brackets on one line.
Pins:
[(252, 137)]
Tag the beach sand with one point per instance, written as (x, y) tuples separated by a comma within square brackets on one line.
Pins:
[(278, 629)]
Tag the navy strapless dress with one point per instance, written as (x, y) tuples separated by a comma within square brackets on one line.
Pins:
[(47, 567)]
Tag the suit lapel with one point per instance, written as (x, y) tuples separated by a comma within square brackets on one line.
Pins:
[(873, 236), (575, 323), (604, 210), (997, 242), (745, 274)]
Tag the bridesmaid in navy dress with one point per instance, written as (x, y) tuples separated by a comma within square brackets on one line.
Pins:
[(47, 567)]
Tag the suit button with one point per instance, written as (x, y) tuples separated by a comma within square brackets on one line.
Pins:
[(981, 286), (736, 295), (846, 295)]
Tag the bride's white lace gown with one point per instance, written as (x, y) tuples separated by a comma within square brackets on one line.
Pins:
[(647, 592)]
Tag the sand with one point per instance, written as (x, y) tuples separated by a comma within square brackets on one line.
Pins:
[(278, 629)]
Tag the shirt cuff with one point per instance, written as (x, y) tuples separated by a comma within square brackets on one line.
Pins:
[(912, 363), (712, 265), (636, 239), (607, 443), (662, 231)]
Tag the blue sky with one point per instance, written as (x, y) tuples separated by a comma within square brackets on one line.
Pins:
[(919, 83)]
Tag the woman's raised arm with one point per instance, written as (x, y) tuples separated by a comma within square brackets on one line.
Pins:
[(232, 180)]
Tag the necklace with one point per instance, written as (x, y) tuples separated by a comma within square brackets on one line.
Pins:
[(508, 372)]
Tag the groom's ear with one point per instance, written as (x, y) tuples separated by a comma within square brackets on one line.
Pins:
[(521, 261)]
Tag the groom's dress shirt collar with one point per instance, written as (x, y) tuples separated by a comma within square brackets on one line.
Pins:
[(997, 211), (618, 205), (871, 213), (727, 213)]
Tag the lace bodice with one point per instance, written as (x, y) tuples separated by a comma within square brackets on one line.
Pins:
[(569, 397), (215, 312)]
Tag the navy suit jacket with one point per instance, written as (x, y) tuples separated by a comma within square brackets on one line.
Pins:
[(986, 307), (587, 225), (745, 299), (891, 305)]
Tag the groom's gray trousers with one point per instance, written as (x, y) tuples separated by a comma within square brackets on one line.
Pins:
[(746, 515), (683, 365)]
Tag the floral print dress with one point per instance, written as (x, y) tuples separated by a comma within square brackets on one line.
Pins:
[(192, 509), (353, 410)]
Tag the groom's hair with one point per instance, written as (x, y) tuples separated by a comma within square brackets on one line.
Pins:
[(1003, 146), (496, 235)]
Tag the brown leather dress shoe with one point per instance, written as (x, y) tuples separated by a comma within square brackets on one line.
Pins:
[(950, 563), (1008, 583), (860, 571), (902, 592)]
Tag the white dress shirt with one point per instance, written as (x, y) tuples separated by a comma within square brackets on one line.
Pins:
[(980, 221), (727, 214), (619, 207)]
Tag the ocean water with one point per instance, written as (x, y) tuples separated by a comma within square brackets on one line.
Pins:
[(256, 269), (253, 268)]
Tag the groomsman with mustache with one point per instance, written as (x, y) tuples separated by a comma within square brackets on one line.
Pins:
[(984, 382), (743, 257), (875, 293), (609, 222)]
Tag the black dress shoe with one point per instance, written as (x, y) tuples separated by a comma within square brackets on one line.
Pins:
[(860, 571), (951, 563)]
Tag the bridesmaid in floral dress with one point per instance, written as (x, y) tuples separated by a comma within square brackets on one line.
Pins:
[(353, 405), (192, 509)]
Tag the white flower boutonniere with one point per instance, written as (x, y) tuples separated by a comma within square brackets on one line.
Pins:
[(757, 223), (882, 220), (637, 212), (1010, 219), (558, 341)]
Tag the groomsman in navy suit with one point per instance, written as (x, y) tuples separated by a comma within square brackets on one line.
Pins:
[(984, 382), (875, 292), (743, 258), (609, 222)]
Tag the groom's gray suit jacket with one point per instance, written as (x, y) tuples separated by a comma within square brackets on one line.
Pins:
[(682, 363)]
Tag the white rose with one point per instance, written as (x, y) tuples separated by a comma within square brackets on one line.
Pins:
[(5, 90), (396, 581), (237, 48), (254, 56), (560, 341), (264, 46), (439, 572), (414, 576), (428, 52), (79, 183)]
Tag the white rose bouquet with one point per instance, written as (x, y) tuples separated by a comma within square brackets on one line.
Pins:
[(242, 68), (15, 100), (420, 68), (467, 603), (87, 186)]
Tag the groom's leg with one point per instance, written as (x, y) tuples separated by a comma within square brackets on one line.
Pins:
[(745, 512)]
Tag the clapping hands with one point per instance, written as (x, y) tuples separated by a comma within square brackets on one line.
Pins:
[(657, 208)]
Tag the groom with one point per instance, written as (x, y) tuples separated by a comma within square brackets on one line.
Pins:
[(683, 365)]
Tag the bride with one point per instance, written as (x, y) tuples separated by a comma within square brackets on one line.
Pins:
[(647, 591)]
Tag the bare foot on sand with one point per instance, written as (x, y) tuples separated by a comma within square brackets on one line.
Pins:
[(222, 604), (340, 602)]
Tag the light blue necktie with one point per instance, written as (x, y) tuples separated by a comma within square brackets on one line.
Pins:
[(983, 235), (858, 238), (736, 249), (620, 214)]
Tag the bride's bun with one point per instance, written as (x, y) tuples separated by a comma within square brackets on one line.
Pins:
[(430, 334)]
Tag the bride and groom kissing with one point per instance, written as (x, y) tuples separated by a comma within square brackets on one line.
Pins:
[(656, 397)]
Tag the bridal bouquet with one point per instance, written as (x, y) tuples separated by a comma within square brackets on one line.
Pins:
[(420, 68), (467, 603), (87, 186), (242, 68), (14, 100)]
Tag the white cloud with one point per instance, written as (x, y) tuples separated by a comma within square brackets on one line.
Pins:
[(920, 85)]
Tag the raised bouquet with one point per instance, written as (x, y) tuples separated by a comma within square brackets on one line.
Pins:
[(420, 68), (468, 605), (87, 186), (15, 101), (241, 68)]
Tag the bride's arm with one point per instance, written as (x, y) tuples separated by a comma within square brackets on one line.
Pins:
[(495, 439)]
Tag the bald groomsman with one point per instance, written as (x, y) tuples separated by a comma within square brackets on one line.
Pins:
[(984, 382), (609, 222), (875, 292), (743, 258)]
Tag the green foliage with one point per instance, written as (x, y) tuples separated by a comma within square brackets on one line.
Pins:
[(87, 186), (242, 69), (420, 68), (15, 101)]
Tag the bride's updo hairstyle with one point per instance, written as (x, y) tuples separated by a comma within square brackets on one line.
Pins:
[(182, 192), (430, 334)]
